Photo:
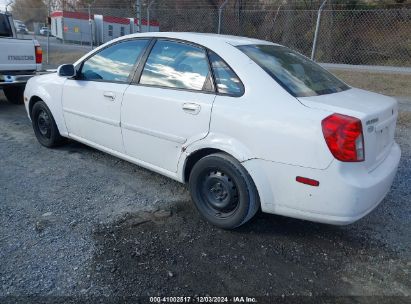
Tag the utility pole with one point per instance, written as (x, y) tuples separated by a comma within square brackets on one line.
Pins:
[(138, 15)]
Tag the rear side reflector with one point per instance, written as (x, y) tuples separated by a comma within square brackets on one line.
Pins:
[(344, 137), (39, 54), (307, 181)]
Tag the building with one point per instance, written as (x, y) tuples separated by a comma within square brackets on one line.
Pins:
[(76, 27), (72, 26), (114, 27), (154, 26)]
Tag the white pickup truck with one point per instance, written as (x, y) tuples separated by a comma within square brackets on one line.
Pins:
[(20, 59)]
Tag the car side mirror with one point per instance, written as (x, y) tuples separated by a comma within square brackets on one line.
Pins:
[(66, 70)]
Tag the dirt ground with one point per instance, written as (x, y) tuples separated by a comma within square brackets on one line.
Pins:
[(388, 84)]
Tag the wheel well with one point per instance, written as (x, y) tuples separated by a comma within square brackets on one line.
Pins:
[(195, 157), (32, 102)]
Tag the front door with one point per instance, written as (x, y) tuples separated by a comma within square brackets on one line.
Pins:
[(92, 101)]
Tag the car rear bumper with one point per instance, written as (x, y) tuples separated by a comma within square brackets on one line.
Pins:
[(347, 191)]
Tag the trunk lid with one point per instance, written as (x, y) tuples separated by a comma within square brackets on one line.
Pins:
[(378, 115)]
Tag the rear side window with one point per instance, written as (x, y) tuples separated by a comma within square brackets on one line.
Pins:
[(176, 65), (5, 28), (113, 63), (294, 72), (226, 80)]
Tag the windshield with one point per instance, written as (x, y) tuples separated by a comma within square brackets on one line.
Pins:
[(5, 29), (294, 72)]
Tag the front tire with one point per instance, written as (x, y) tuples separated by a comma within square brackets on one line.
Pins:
[(223, 191), (14, 95), (44, 126)]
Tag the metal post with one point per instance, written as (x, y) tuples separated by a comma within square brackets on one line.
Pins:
[(239, 5), (48, 31), (148, 15), (317, 28), (91, 26), (138, 15), (275, 18), (220, 12)]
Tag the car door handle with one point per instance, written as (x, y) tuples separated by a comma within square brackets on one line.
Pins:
[(191, 108), (110, 95)]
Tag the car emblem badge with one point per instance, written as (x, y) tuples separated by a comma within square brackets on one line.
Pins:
[(370, 129), (372, 121)]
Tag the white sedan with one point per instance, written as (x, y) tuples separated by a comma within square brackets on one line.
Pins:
[(248, 124), (44, 31)]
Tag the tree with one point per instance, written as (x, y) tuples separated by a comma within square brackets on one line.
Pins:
[(29, 11)]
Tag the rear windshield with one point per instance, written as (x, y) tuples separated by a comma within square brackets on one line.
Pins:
[(294, 72), (5, 29)]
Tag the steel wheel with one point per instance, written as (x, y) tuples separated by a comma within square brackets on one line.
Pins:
[(219, 192), (44, 126), (44, 123), (223, 191)]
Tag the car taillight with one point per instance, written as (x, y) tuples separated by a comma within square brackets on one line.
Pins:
[(39, 53), (344, 137)]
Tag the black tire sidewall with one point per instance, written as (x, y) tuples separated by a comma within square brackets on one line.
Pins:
[(248, 198), (54, 136)]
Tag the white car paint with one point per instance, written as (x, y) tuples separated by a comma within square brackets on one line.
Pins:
[(172, 125), (95, 119), (276, 136)]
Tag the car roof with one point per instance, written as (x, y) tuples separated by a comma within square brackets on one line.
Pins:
[(205, 39)]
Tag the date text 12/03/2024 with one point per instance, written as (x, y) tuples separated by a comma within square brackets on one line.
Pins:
[(205, 299)]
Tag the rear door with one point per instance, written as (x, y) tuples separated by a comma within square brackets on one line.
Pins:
[(169, 106), (92, 101)]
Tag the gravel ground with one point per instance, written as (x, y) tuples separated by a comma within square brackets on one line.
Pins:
[(76, 222)]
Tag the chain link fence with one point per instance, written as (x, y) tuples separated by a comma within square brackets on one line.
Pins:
[(375, 37), (379, 37)]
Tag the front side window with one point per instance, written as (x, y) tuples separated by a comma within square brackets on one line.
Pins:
[(294, 72), (113, 63), (226, 80), (176, 65)]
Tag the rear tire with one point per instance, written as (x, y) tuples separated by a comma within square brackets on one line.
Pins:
[(223, 191), (44, 126), (14, 95)]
